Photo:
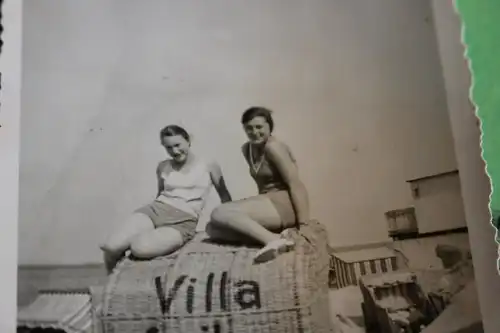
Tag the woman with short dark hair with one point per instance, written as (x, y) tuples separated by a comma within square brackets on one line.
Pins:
[(282, 201)]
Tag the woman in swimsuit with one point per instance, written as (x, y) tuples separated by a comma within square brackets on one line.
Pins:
[(167, 223), (282, 202)]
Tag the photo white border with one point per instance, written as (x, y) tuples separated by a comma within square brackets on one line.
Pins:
[(10, 98)]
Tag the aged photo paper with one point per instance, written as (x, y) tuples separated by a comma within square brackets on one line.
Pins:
[(264, 166)]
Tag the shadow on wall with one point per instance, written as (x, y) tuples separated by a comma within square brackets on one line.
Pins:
[(420, 254)]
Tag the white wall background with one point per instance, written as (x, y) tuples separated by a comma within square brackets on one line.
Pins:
[(356, 85)]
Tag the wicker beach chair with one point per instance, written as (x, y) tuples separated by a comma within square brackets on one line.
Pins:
[(207, 287)]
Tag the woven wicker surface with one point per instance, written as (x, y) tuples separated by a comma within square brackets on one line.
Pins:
[(206, 287)]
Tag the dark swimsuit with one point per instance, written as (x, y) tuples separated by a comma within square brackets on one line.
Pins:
[(271, 185)]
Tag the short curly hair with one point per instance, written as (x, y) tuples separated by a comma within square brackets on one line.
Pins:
[(258, 111)]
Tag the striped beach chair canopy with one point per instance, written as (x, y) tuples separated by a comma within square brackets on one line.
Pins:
[(351, 265), (68, 311)]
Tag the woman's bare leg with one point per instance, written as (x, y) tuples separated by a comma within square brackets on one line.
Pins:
[(256, 218), (223, 234), (157, 242), (120, 240)]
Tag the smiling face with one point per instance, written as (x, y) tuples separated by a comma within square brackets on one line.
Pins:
[(177, 147), (258, 130)]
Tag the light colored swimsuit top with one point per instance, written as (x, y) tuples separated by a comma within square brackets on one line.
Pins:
[(264, 172), (186, 191)]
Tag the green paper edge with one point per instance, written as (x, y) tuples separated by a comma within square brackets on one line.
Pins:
[(481, 39)]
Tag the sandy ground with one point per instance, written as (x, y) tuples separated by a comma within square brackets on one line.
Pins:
[(345, 307)]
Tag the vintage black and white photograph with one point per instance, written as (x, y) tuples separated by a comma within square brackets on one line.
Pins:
[(227, 166)]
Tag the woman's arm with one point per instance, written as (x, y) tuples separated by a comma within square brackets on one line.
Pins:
[(219, 183), (159, 170), (280, 157)]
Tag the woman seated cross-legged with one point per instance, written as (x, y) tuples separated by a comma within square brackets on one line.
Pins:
[(282, 202), (167, 223)]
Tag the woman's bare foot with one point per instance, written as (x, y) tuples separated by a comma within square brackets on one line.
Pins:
[(274, 248), (110, 259), (109, 262)]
